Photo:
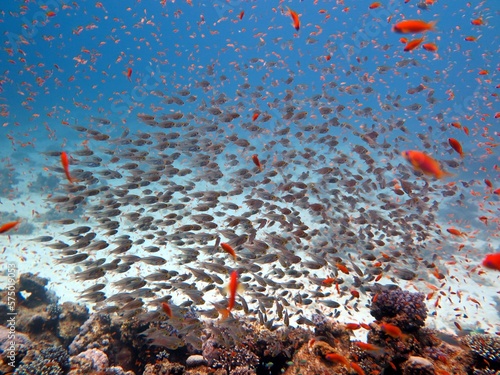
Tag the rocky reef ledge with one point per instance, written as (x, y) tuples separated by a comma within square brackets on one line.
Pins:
[(53, 339)]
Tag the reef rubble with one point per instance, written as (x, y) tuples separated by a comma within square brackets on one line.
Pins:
[(53, 339)]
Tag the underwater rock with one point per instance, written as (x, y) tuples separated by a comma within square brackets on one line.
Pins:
[(35, 287), (71, 319), (166, 367), (89, 360), (96, 332), (404, 309), (12, 353), (195, 360), (447, 355), (310, 359), (418, 366), (331, 332)]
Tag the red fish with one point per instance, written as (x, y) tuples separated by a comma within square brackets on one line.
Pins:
[(413, 26), (128, 73), (65, 164), (357, 368), (456, 232), (430, 47), (8, 226), (255, 116), (242, 13), (412, 44), (233, 289), (257, 162), (492, 261), (295, 18), (337, 358), (167, 309), (456, 146), (392, 330), (228, 249), (375, 5), (352, 326), (425, 164), (328, 281), (342, 268)]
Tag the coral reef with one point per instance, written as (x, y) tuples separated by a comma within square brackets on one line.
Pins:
[(149, 343), (40, 316), (485, 346), (401, 308), (53, 360)]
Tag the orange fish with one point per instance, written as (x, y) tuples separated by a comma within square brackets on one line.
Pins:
[(375, 5), (8, 226), (357, 368), (255, 116), (128, 73), (295, 18), (65, 164), (50, 13), (257, 162), (425, 164), (232, 288), (477, 22), (368, 347), (492, 261), (456, 232), (470, 38), (392, 330), (328, 281), (167, 309), (430, 47), (413, 26), (342, 268), (456, 146), (412, 44), (352, 326), (228, 249), (337, 358)]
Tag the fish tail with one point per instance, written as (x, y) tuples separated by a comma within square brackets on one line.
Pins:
[(225, 313), (446, 174)]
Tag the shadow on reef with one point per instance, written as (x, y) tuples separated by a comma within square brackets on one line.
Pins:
[(53, 339)]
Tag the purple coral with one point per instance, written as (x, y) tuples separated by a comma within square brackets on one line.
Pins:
[(401, 308)]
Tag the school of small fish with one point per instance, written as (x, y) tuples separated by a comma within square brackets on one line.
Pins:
[(251, 194)]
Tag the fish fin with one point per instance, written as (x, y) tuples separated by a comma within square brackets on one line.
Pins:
[(433, 24)]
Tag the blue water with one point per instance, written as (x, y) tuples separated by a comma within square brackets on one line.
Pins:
[(69, 69)]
